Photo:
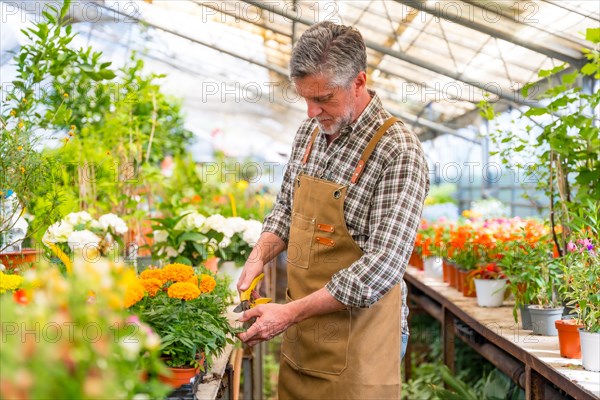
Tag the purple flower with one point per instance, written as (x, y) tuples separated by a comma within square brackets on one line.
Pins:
[(587, 244), (571, 247)]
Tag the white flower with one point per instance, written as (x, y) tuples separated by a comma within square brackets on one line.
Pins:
[(111, 221), (171, 252), (152, 340), (236, 224), (58, 232), (81, 239), (131, 347), (252, 232), (193, 221), (160, 236), (2, 267), (225, 242), (78, 218), (215, 222)]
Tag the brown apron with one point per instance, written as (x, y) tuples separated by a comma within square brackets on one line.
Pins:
[(349, 354)]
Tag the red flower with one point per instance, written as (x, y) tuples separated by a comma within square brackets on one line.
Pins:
[(20, 296)]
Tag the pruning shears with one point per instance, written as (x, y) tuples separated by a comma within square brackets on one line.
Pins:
[(250, 298)]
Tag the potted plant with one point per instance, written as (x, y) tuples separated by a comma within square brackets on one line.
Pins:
[(521, 256), (79, 233), (546, 308), (490, 285), (183, 239), (187, 311), (581, 283)]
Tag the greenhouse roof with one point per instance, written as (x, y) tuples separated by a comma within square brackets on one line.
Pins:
[(430, 61)]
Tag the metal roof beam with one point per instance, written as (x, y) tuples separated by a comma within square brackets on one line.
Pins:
[(508, 95), (433, 126), (272, 68), (478, 18)]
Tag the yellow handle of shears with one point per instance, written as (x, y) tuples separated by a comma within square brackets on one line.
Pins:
[(247, 294)]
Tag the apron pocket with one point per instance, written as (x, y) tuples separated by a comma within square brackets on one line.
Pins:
[(318, 345), (302, 230)]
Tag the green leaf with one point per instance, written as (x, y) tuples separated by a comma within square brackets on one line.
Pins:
[(570, 78), (107, 74), (593, 35), (589, 69), (195, 236), (533, 111)]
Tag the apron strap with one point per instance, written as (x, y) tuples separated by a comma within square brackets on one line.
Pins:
[(369, 149), (310, 145)]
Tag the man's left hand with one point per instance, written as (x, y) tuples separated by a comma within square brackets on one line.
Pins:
[(271, 320)]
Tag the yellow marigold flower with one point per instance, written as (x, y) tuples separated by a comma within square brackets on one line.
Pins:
[(66, 139), (73, 127), (20, 148), (9, 282), (71, 133), (13, 113), (108, 153), (24, 100), (66, 95), (151, 285), (133, 294), (207, 283), (183, 290), (20, 124), (22, 170), (178, 272), (154, 274), (193, 279)]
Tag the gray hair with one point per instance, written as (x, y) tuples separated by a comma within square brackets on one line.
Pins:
[(337, 51)]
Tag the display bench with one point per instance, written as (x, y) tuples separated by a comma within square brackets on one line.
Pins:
[(533, 362)]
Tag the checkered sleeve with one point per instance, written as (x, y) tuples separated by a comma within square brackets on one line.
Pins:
[(395, 215)]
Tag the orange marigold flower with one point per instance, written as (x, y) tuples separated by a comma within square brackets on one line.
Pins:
[(178, 272), (207, 283), (73, 127), (193, 279), (153, 274), (183, 290), (133, 294), (151, 285)]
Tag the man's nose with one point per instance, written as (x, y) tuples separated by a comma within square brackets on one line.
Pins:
[(313, 109)]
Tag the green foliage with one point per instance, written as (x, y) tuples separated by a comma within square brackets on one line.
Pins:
[(440, 194), (188, 328), (565, 152), (77, 134), (184, 242)]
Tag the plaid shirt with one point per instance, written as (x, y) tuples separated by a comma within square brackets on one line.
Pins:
[(382, 211)]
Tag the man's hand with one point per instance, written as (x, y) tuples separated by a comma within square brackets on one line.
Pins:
[(252, 269), (271, 320)]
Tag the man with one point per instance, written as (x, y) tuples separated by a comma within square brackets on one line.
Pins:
[(348, 211)]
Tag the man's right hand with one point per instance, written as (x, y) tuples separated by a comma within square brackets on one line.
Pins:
[(252, 269)]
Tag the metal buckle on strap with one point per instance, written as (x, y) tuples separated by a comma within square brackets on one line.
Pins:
[(338, 192)]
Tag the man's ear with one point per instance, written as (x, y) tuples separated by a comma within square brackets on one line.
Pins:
[(360, 83)]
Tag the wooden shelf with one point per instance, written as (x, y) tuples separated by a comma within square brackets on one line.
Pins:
[(532, 361)]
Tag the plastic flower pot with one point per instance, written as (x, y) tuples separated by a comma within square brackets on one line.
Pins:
[(433, 267), (445, 271), (459, 280), (179, 376), (568, 338), (452, 275), (416, 260), (525, 317), (590, 349), (490, 292), (468, 286), (542, 320)]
